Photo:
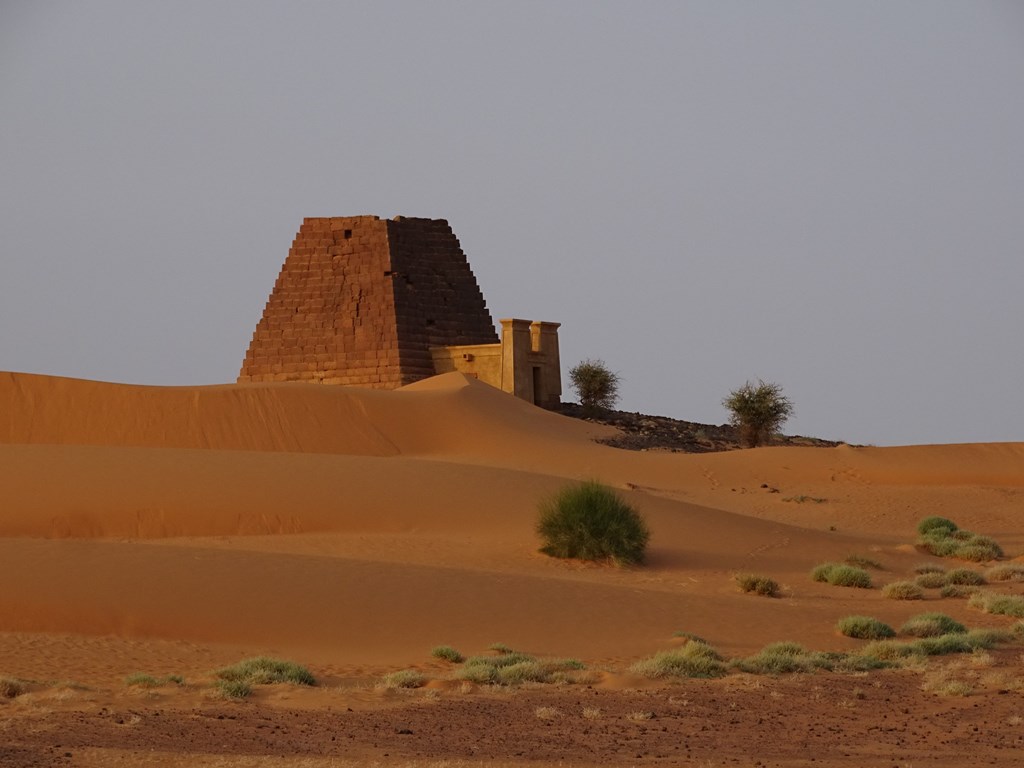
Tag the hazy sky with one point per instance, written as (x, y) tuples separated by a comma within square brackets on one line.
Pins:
[(829, 195)]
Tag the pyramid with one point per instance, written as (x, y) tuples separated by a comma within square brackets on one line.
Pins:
[(362, 301)]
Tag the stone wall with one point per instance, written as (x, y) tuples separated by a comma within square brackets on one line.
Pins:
[(360, 301)]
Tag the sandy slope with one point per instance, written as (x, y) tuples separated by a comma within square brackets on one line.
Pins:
[(353, 528)]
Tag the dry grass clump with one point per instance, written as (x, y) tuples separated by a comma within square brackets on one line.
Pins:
[(958, 591), (932, 625), (930, 580), (1005, 605), (759, 585), (786, 657), (964, 577), (864, 628), (859, 561), (11, 687), (140, 680), (447, 653), (640, 716), (592, 713), (266, 671), (513, 668), (942, 538), (695, 659), (234, 689), (842, 575), (547, 713), (1005, 572), (403, 678), (902, 590)]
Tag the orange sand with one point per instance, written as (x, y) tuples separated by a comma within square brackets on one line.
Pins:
[(354, 529)]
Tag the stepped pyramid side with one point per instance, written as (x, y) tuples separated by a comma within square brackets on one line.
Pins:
[(360, 301)]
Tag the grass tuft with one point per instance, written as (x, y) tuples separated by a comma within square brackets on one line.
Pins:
[(234, 689), (864, 628), (842, 575), (932, 625), (447, 653), (859, 561), (266, 671), (902, 590), (403, 678), (942, 538), (1005, 572), (931, 580), (958, 590), (785, 657), (693, 660), (1004, 605), (11, 688), (935, 525), (759, 585)]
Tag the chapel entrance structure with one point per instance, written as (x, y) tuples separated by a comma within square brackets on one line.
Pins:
[(377, 303)]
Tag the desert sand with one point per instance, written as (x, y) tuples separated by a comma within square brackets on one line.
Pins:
[(174, 530)]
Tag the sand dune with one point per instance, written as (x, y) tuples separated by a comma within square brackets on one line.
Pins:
[(363, 527)]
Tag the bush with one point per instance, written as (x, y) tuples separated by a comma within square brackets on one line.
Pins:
[(842, 575), (590, 522), (864, 628), (932, 625), (596, 386), (902, 590), (514, 668), (696, 660), (447, 653), (265, 671), (758, 411), (759, 585)]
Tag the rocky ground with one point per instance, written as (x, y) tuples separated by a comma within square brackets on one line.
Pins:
[(642, 432)]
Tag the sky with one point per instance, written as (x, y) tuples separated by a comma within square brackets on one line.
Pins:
[(826, 195)]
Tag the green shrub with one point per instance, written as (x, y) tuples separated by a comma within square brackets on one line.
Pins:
[(447, 653), (842, 575), (758, 411), (695, 660), (979, 549), (934, 524), (234, 689), (785, 657), (932, 625), (265, 671), (595, 384), (403, 678), (931, 580), (1004, 605), (902, 590), (864, 628), (1005, 572), (760, 585), (590, 522), (964, 577)]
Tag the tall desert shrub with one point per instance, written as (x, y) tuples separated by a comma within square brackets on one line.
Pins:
[(590, 521), (596, 385), (758, 411)]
